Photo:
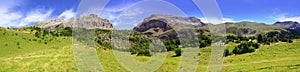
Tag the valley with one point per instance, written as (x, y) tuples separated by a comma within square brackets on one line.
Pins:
[(250, 46)]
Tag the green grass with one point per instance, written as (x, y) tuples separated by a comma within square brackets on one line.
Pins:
[(50, 60), (18, 42), (57, 56), (277, 57)]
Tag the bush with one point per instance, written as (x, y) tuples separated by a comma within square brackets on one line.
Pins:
[(178, 51), (226, 52), (204, 41), (172, 44), (290, 41), (259, 38), (245, 47), (144, 53), (139, 44)]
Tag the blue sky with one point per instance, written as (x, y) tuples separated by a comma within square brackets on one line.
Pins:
[(19, 13)]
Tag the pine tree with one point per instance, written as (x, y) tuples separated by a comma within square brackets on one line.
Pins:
[(259, 38)]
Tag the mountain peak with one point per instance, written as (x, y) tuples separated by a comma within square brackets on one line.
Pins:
[(89, 22), (286, 22), (160, 25), (289, 24)]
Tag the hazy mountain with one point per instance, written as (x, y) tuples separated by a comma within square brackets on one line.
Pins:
[(164, 26), (289, 24), (89, 22), (250, 28)]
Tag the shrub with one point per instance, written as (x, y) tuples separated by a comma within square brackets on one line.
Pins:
[(204, 41), (290, 41), (226, 52), (245, 47), (172, 44), (144, 53), (178, 52), (259, 38)]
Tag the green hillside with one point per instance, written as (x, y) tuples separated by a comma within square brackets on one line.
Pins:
[(257, 28), (22, 51)]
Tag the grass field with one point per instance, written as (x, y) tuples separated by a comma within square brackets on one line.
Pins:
[(58, 56)]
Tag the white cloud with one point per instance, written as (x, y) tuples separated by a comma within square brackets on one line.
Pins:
[(14, 18), (216, 20), (283, 17), (228, 20), (112, 13), (8, 17), (67, 14), (36, 15)]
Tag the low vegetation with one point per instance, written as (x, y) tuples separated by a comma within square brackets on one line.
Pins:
[(34, 49)]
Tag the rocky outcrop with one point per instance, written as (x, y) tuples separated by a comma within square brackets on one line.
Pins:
[(88, 22), (158, 25), (52, 23), (289, 24)]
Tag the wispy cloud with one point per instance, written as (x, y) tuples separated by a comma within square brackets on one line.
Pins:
[(112, 13), (129, 16), (8, 17), (216, 21), (67, 14), (283, 17), (37, 15), (15, 18)]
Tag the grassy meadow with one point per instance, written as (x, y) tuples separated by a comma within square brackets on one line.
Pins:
[(21, 51)]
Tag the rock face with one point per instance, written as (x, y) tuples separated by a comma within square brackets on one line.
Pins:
[(52, 23), (289, 24), (88, 22), (158, 24)]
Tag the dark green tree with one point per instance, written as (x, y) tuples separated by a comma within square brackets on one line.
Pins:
[(259, 38), (178, 51)]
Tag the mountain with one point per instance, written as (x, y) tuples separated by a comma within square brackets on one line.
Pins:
[(289, 24), (89, 22), (249, 28), (164, 26)]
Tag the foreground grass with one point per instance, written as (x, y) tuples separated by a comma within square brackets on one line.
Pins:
[(279, 57), (54, 60), (15, 43), (58, 56)]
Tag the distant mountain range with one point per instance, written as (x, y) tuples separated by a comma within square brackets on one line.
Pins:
[(160, 25), (89, 22), (289, 24)]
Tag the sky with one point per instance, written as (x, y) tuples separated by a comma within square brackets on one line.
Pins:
[(20, 13)]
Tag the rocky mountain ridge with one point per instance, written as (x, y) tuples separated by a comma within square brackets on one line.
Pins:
[(289, 24), (158, 24), (88, 22)]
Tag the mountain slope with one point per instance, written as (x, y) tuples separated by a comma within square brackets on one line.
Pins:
[(159, 25), (88, 22), (249, 28), (289, 24)]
